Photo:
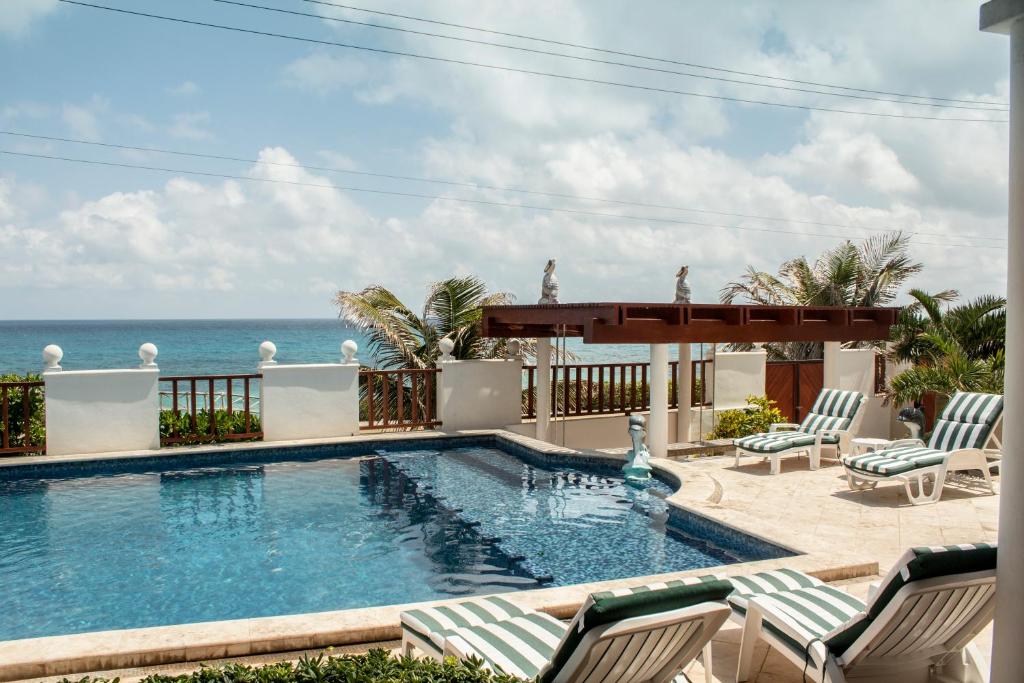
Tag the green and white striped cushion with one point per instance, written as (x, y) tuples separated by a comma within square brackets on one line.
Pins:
[(803, 618), (833, 409), (916, 564), (775, 442), (521, 646), (895, 460), (432, 624), (646, 587), (773, 581), (966, 421)]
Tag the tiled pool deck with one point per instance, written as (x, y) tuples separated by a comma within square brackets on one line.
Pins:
[(844, 536)]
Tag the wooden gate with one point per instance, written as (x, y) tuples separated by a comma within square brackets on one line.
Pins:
[(794, 385)]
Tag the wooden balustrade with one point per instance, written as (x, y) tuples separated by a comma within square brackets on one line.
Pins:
[(21, 407), (398, 399), (227, 410), (608, 388)]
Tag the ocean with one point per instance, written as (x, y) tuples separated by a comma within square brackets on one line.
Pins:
[(203, 347)]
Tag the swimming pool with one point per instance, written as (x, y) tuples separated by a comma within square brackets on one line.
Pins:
[(245, 533)]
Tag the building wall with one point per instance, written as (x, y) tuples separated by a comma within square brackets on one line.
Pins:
[(479, 394), (857, 373)]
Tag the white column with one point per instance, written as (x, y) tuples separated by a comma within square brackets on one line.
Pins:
[(831, 369), (684, 385), (657, 425), (542, 404), (1007, 16)]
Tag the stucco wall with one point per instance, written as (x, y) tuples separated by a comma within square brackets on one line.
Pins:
[(93, 411), (309, 401), (479, 394), (857, 373), (738, 375)]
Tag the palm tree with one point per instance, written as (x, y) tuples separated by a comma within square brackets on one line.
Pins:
[(399, 338), (961, 348), (868, 274)]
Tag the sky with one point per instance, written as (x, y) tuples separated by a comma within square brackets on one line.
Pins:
[(723, 185)]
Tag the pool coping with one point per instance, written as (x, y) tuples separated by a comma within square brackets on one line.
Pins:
[(129, 648)]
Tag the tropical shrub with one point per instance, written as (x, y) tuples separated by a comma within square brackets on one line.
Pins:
[(755, 419), (957, 348), (227, 423), (376, 666), (868, 274), (35, 430)]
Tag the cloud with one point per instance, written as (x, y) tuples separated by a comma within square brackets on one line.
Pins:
[(84, 120), (184, 89), (191, 126), (17, 15)]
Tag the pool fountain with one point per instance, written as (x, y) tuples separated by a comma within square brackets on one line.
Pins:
[(637, 467)]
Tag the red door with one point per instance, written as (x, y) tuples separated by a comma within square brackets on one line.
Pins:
[(794, 385)]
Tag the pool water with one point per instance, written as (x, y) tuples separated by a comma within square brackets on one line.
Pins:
[(110, 550)]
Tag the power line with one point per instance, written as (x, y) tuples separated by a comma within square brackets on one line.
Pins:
[(663, 60), (546, 74), (627, 65), (477, 186), (482, 202)]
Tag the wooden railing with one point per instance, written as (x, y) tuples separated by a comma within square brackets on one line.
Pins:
[(608, 388), (207, 408), (398, 399), (880, 373), (22, 417)]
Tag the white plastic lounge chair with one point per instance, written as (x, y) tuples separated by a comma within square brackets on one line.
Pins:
[(831, 422), (965, 427), (632, 635), (917, 626)]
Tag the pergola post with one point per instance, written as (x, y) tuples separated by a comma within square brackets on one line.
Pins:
[(831, 369), (542, 404), (684, 385), (1007, 16), (657, 425)]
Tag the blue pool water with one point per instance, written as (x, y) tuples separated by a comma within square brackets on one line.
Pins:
[(259, 533)]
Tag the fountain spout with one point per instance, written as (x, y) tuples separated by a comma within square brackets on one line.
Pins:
[(637, 467)]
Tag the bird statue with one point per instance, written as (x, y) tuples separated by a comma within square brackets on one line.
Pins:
[(549, 287)]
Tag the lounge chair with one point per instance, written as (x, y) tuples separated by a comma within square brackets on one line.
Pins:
[(831, 423), (633, 635), (965, 427), (917, 626)]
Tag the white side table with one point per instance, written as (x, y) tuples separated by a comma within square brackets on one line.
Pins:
[(862, 445)]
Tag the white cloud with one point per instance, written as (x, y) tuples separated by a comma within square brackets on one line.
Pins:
[(191, 126), (17, 15), (184, 89), (84, 119)]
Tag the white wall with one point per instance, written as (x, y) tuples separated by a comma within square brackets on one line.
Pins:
[(309, 401), (479, 394), (738, 375), (92, 411), (857, 373), (607, 431)]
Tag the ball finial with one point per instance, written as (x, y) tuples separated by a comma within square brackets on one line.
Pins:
[(52, 356), (147, 354), (348, 351), (515, 349), (447, 346), (267, 351)]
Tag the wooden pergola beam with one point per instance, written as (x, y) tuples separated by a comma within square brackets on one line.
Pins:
[(654, 323)]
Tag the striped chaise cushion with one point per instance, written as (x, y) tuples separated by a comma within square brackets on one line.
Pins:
[(774, 442), (432, 624), (773, 581), (527, 647), (965, 422), (895, 460), (832, 410), (802, 618), (916, 564)]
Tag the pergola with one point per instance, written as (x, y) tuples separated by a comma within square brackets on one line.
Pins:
[(659, 325)]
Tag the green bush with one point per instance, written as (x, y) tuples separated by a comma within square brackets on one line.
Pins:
[(376, 666), (35, 430), (756, 419), (227, 423)]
